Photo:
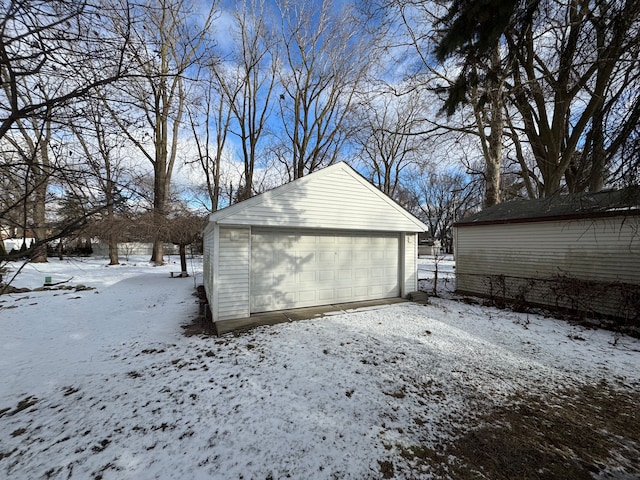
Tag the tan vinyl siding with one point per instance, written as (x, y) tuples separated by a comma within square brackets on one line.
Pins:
[(233, 273), (336, 200), (503, 260)]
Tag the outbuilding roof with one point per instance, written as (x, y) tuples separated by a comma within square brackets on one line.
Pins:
[(580, 205), (336, 197)]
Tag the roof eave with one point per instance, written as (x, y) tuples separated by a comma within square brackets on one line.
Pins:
[(554, 218)]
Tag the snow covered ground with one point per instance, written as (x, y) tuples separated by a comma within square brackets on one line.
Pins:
[(102, 382)]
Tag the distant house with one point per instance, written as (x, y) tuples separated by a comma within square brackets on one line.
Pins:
[(130, 249), (330, 237), (17, 243), (579, 252), (428, 245)]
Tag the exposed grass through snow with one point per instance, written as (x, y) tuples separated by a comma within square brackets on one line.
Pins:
[(584, 432)]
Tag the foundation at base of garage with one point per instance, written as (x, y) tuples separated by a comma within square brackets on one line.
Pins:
[(283, 316)]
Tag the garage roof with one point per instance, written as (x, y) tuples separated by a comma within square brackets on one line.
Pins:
[(336, 197), (573, 206)]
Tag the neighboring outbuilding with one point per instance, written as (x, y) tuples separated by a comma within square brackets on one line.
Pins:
[(579, 252), (330, 237)]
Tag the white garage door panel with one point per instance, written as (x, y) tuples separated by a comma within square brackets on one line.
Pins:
[(290, 270)]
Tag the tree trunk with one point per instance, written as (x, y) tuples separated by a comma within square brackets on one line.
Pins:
[(598, 153), (552, 184), (490, 117), (183, 258), (159, 191), (157, 254), (159, 210), (113, 252), (492, 174), (496, 123), (39, 254), (112, 237)]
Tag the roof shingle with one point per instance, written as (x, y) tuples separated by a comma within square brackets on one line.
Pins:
[(604, 203)]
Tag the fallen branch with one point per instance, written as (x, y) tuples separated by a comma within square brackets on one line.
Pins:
[(58, 283)]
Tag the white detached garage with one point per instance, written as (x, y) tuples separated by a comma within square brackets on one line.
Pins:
[(330, 237)]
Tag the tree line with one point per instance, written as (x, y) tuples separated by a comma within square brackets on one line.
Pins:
[(446, 106)]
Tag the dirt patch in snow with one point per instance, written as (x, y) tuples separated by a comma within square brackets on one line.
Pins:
[(584, 432)]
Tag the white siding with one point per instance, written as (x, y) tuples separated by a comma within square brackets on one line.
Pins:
[(208, 260), (502, 259), (411, 264), (302, 268), (334, 198), (233, 274)]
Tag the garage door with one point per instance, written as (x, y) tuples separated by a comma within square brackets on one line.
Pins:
[(293, 270)]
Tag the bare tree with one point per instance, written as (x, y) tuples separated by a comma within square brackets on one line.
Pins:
[(107, 177), (13, 172), (180, 226), (483, 99), (326, 55), (210, 121), (444, 197), (488, 105), (32, 146), (247, 78), (565, 88), (167, 37), (385, 135), (569, 66), (53, 55), (49, 50), (185, 229)]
